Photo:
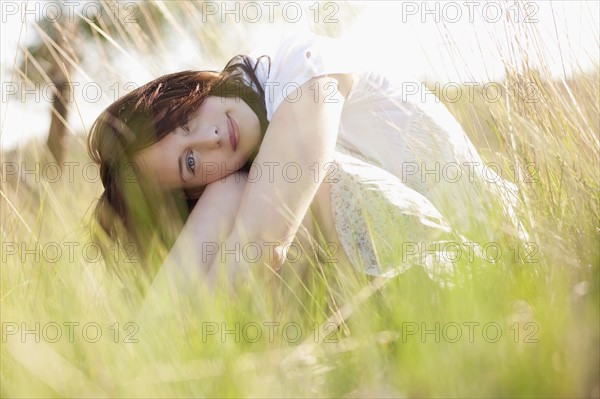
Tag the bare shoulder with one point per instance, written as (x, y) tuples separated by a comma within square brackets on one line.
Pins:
[(345, 81)]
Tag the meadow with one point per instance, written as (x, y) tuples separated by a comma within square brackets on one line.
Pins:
[(523, 323)]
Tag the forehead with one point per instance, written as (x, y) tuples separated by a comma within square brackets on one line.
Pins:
[(159, 162)]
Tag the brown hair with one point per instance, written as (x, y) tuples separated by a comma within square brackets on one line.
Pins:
[(133, 210)]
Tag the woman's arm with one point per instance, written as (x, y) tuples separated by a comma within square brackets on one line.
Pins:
[(300, 140), (206, 228)]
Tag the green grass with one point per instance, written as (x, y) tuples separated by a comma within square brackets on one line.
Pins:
[(358, 336)]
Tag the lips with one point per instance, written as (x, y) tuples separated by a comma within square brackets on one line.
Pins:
[(234, 135)]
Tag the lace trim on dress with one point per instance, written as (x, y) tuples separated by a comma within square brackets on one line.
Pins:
[(380, 222)]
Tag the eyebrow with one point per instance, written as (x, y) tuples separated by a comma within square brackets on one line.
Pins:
[(180, 163)]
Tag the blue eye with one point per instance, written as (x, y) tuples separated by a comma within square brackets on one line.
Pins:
[(190, 162)]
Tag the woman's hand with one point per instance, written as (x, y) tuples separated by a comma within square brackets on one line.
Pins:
[(205, 230)]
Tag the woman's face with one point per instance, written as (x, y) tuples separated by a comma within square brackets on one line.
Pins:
[(220, 139)]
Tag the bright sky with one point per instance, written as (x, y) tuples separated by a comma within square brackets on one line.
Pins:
[(409, 37)]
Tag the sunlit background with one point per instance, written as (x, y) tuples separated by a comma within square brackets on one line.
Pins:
[(416, 39), (552, 46)]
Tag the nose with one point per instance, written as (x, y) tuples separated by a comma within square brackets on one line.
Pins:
[(209, 140)]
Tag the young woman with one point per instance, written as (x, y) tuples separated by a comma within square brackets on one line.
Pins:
[(304, 141)]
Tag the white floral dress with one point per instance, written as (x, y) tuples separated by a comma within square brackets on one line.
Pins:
[(409, 175), (384, 226)]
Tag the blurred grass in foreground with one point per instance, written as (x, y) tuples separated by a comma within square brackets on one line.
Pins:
[(540, 312)]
